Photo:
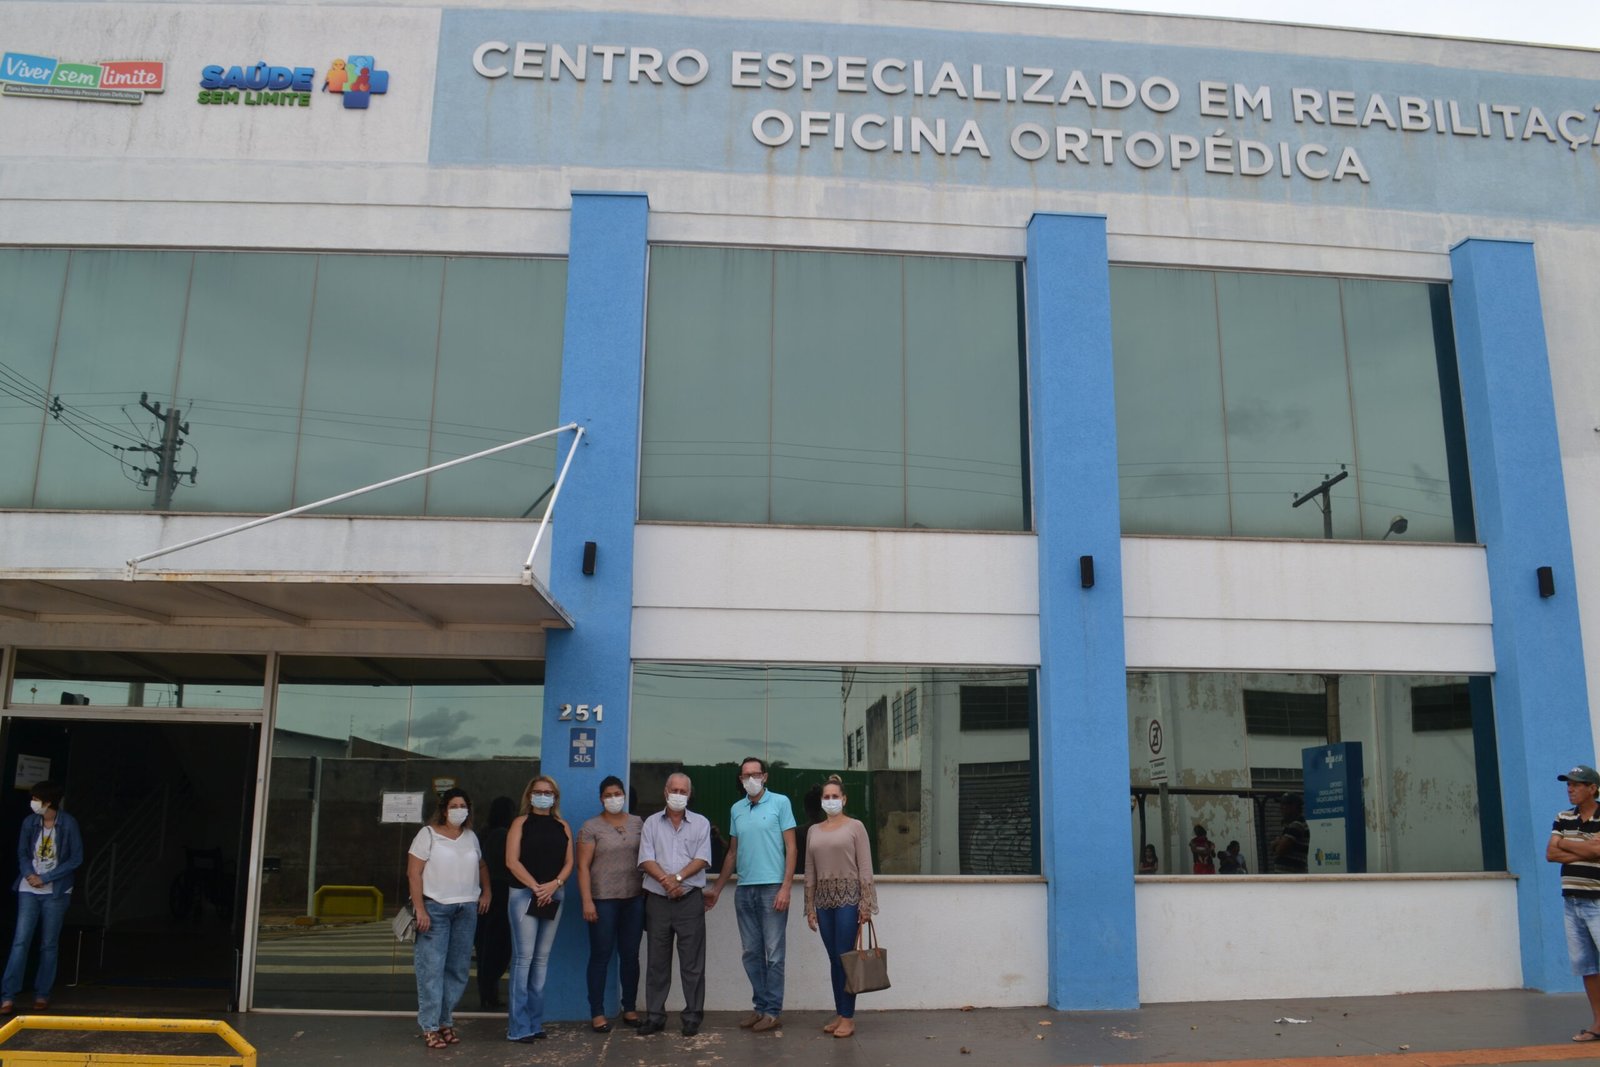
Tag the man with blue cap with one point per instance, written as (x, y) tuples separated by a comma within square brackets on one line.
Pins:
[(1575, 844)]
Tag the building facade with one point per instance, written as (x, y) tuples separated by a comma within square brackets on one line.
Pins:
[(1075, 429)]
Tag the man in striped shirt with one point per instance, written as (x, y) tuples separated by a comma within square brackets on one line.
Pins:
[(1575, 844)]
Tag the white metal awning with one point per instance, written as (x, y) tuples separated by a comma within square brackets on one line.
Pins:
[(290, 569)]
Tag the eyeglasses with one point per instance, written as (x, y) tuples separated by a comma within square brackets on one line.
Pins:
[(542, 793)]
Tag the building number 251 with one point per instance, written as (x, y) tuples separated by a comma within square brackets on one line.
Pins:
[(582, 713)]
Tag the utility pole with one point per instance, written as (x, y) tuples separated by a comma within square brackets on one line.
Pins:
[(1330, 682), (165, 472), (1326, 503)]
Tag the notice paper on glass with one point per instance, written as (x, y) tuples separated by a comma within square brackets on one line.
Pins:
[(402, 807), (31, 770)]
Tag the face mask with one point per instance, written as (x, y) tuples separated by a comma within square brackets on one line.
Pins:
[(677, 801), (542, 802), (457, 816), (832, 805), (614, 805), (37, 806), (753, 786)]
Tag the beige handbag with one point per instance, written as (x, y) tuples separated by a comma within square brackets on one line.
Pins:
[(866, 969)]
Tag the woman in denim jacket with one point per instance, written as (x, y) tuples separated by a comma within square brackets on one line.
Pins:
[(49, 851)]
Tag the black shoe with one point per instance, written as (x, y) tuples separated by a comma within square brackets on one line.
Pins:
[(690, 1029), (651, 1026)]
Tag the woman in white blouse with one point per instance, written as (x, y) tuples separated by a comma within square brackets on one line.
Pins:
[(449, 889)]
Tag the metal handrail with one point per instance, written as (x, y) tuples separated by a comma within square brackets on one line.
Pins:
[(92, 1023), (133, 564)]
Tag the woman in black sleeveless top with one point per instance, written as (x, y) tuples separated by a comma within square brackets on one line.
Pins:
[(539, 857)]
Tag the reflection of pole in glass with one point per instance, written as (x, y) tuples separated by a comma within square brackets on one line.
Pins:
[(1326, 503), (165, 472)]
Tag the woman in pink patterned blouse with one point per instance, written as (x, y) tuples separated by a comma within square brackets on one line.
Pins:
[(839, 892)]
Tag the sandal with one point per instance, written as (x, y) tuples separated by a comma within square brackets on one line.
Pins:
[(449, 1035), (1582, 1036), (433, 1039), (600, 1024)]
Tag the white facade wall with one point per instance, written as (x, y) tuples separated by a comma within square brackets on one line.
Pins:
[(1335, 936)]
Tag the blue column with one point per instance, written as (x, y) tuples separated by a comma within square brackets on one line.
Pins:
[(1083, 702), (1541, 704), (601, 372)]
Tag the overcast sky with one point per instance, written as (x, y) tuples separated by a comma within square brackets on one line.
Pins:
[(1565, 22)]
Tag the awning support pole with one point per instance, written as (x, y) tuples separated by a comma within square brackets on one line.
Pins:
[(577, 439), (133, 564)]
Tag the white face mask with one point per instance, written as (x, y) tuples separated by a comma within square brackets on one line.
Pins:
[(457, 816), (541, 802), (37, 805), (753, 786), (833, 805), (614, 805), (677, 801)]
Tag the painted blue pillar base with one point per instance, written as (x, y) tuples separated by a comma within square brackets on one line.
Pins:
[(601, 372), (1083, 722), (1541, 704)]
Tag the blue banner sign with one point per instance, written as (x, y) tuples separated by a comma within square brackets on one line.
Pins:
[(1335, 811)]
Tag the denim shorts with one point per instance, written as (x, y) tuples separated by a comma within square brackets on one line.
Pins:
[(1582, 916)]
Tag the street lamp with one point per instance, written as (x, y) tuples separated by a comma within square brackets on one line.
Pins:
[(1397, 526)]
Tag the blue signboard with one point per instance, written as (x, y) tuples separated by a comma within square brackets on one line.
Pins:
[(582, 752), (1335, 812), (948, 107)]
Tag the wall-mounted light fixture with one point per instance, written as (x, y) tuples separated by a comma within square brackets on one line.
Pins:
[(588, 557), (1547, 582), (1086, 571)]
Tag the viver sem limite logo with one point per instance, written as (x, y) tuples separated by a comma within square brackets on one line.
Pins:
[(121, 82)]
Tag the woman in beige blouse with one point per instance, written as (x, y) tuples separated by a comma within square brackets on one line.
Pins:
[(613, 901), (839, 893)]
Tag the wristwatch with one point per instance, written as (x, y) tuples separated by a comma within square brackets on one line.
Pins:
[(679, 877)]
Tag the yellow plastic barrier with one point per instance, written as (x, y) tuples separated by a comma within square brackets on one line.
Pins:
[(246, 1053), (362, 902)]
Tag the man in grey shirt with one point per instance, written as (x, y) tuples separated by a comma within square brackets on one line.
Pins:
[(674, 852)]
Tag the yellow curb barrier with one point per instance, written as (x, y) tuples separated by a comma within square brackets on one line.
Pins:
[(245, 1053), (364, 902)]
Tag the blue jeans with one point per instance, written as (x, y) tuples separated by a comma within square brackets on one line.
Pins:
[(838, 929), (530, 961), (1580, 916), (618, 929), (31, 909), (442, 958), (762, 931)]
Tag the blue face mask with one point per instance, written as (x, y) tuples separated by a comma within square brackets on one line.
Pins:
[(542, 802)]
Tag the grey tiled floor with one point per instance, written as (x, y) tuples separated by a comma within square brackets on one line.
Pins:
[(1161, 1033)]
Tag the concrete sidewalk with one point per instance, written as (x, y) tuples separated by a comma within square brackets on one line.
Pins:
[(1418, 1030)]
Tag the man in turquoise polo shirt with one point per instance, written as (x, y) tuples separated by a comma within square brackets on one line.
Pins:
[(761, 849)]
